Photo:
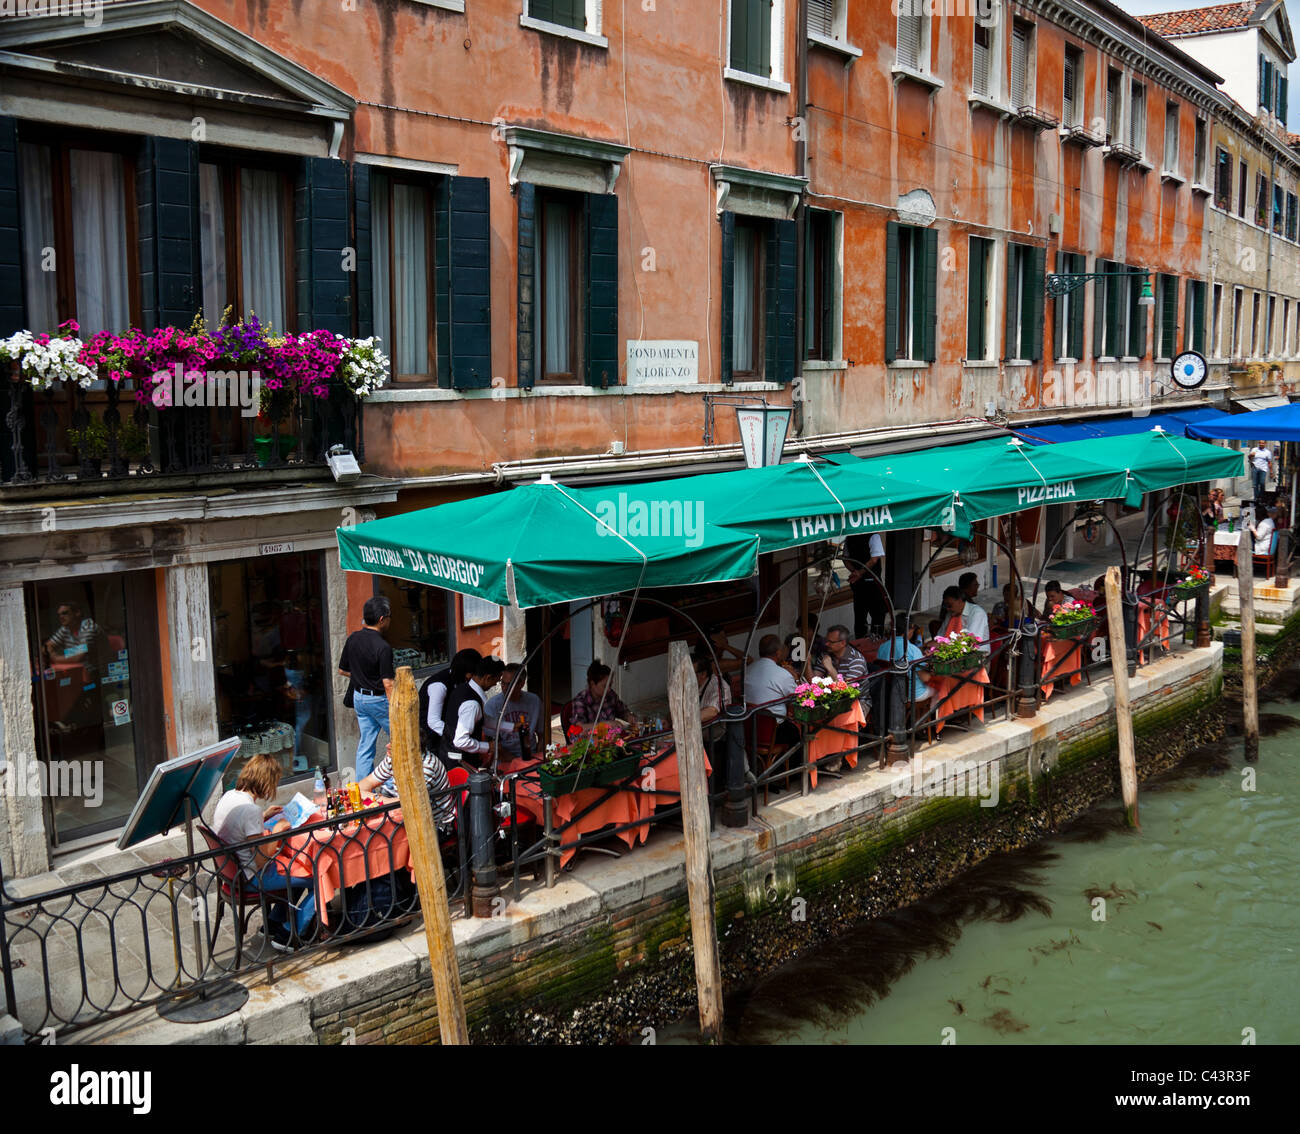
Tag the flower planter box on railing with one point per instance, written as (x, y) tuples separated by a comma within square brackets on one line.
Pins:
[(951, 667), (603, 775), (1077, 631), (1188, 592)]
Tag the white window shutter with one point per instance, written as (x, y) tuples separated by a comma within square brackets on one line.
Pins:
[(909, 40), (1019, 60), (821, 17), (980, 61), (1067, 93)]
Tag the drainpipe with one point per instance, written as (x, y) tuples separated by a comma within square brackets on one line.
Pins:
[(801, 170), (1268, 257)]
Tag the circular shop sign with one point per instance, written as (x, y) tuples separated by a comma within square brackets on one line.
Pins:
[(1189, 370)]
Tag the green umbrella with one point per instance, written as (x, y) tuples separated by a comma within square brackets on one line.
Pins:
[(1156, 459), (538, 544)]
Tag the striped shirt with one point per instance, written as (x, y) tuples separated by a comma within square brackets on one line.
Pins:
[(435, 779)]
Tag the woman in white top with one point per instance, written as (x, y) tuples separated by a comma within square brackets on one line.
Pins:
[(714, 693)]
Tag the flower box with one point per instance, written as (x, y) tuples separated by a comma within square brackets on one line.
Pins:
[(1078, 630), (818, 714), (1189, 592), (950, 667), (615, 773), (564, 783)]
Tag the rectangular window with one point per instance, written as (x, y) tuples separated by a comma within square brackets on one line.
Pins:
[(1254, 324), (751, 37), (821, 18), (566, 13), (1194, 317), (981, 57), (1241, 189), (1279, 208), (1200, 152), (1286, 328), (1137, 123), (1222, 179), (911, 302), (1114, 105), (1265, 84), (1166, 315), (1072, 88), (1069, 309), (1022, 89), (1105, 300), (85, 198), (1291, 216), (1135, 321), (402, 219), (912, 39), (1268, 326), (979, 287), (1171, 137), (821, 286), (558, 285), (1235, 345), (1217, 329), (1261, 199), (747, 308), (244, 242), (1024, 311)]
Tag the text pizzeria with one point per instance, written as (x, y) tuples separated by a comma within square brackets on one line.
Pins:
[(1045, 492)]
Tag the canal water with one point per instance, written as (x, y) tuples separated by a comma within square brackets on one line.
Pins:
[(1186, 932)]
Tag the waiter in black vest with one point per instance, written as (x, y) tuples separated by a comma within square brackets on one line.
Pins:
[(462, 716)]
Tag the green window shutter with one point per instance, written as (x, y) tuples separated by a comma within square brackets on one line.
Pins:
[(1009, 344), (1079, 264), (526, 342), (1099, 297), (1168, 316), (929, 285), (751, 36), (891, 290), (728, 305), (1198, 316), (470, 306), (1281, 99), (568, 13), (441, 278), (780, 299), (975, 298), (167, 214), (601, 329), (1137, 324), (320, 233), (1113, 295), (364, 277), (1031, 330), (1263, 82), (11, 242)]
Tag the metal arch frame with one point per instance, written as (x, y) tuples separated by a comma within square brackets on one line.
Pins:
[(1155, 515), (1085, 511)]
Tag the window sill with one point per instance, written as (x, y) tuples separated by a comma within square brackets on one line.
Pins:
[(566, 33), (988, 102), (836, 45), (775, 85), (1067, 362), (988, 363), (1203, 190), (1129, 358), (826, 364), (902, 71), (907, 364), (1170, 175), (1019, 362), (1143, 165), (446, 5), (505, 393)]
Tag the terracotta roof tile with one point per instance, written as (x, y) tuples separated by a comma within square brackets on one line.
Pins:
[(1221, 17)]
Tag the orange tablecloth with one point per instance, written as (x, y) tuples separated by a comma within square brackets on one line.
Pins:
[(965, 695), (345, 856), (827, 740), (625, 806), (1057, 662), (1144, 627)]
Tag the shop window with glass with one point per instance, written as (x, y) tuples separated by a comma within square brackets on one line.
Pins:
[(559, 287), (245, 242), (271, 656), (402, 218), (420, 630), (96, 678), (78, 232)]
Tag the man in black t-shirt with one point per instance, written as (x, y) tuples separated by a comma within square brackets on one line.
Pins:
[(367, 662)]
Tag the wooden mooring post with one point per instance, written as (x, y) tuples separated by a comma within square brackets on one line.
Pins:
[(422, 835), (1123, 713), (1249, 677), (684, 705)]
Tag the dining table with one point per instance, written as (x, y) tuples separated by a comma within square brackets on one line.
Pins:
[(839, 734), (1062, 661), (351, 853)]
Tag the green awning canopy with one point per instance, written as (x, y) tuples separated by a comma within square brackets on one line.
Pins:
[(543, 543), (537, 544), (1156, 459)]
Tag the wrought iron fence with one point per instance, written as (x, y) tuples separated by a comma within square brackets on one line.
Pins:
[(95, 950)]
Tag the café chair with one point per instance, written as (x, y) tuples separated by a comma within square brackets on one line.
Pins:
[(1269, 561), (233, 892), (762, 741)]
